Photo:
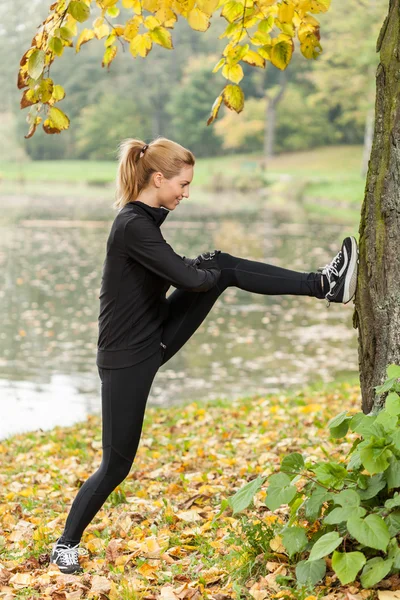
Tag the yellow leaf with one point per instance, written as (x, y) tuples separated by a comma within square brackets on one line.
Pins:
[(97, 22), (131, 28), (128, 3), (207, 6), (56, 121), (110, 40), (319, 5), (150, 547), (108, 3), (233, 97), (162, 36), (141, 45), (113, 12), (276, 544), (260, 38), (309, 408), (102, 31), (151, 23), (254, 59), (281, 54), (58, 93), (147, 570), (285, 12), (233, 72), (109, 55), (198, 20), (85, 36), (232, 10), (188, 515), (218, 65), (287, 28)]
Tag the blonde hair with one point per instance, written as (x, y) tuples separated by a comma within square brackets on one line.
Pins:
[(134, 171)]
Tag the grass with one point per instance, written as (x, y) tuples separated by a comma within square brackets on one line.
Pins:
[(325, 183)]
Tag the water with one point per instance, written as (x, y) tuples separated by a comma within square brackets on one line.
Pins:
[(51, 256)]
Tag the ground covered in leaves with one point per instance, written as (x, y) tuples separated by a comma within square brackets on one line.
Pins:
[(159, 534)]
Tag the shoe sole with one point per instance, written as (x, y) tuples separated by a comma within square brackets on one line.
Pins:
[(350, 282)]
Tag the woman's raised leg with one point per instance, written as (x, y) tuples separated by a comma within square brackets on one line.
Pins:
[(187, 310)]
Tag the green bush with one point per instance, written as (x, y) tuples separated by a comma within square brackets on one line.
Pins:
[(348, 511)]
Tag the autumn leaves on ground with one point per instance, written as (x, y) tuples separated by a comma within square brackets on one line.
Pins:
[(161, 533)]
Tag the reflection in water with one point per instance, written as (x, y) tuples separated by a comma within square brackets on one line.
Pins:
[(51, 273)]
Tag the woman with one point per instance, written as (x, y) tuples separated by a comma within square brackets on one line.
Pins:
[(140, 329)]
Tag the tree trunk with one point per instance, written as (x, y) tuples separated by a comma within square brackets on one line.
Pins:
[(272, 103), (377, 304)]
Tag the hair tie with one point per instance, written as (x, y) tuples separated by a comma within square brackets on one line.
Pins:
[(143, 150)]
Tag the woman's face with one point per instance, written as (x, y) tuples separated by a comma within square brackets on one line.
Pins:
[(172, 191)]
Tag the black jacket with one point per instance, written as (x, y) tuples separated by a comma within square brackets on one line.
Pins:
[(139, 268)]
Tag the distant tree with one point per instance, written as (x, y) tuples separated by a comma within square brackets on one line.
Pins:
[(187, 108)]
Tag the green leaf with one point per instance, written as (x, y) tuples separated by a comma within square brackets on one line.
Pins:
[(392, 404), (310, 572), (315, 501), (393, 502), (335, 421), (392, 473), (293, 462), (56, 45), (341, 430), (79, 10), (375, 484), (347, 498), (36, 64), (294, 539), (279, 491), (371, 531), (331, 474), (243, 497), (393, 522), (374, 571), (325, 545), (364, 425), (375, 457), (386, 420), (394, 553), (395, 438), (356, 420), (393, 371), (386, 386), (355, 460), (338, 515), (347, 564)]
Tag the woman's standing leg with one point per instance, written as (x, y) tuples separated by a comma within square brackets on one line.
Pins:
[(124, 395), (189, 309)]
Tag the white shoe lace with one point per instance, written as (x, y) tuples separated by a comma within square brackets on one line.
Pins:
[(331, 269), (68, 555)]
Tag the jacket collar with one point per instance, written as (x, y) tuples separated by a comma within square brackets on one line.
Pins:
[(157, 214)]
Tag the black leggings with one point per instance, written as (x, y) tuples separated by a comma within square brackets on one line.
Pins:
[(125, 391)]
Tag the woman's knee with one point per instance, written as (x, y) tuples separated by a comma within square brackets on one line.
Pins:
[(226, 261)]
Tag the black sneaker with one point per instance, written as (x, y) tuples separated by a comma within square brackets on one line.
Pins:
[(66, 557), (342, 272)]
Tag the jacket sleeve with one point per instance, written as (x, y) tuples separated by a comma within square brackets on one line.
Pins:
[(144, 243)]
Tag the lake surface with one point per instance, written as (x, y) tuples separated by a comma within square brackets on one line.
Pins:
[(51, 255)]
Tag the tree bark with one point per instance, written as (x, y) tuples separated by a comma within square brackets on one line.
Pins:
[(377, 303)]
